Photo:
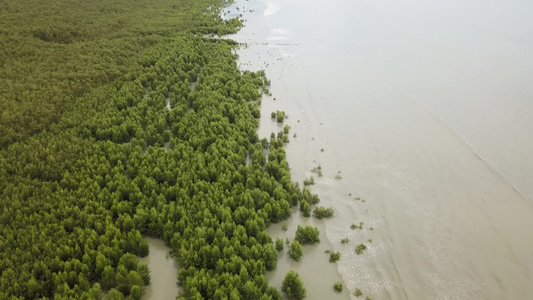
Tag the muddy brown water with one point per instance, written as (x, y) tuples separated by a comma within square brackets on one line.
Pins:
[(422, 109), (163, 271)]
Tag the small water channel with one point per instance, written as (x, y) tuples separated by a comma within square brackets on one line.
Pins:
[(163, 270)]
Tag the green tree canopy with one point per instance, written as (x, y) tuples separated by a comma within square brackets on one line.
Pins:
[(307, 235), (293, 286)]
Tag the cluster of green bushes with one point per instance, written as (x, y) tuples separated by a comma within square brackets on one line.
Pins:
[(279, 115), (295, 250), (338, 286), (334, 256), (306, 201), (92, 159), (321, 212), (307, 235)]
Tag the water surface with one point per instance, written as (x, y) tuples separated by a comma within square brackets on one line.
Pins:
[(426, 110), (163, 272)]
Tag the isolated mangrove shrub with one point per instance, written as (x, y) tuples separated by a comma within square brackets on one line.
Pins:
[(338, 286), (295, 250), (321, 212), (279, 244), (307, 235), (334, 256)]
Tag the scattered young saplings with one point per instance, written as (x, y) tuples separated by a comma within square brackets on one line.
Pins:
[(317, 170), (310, 181), (354, 227), (360, 248), (358, 293)]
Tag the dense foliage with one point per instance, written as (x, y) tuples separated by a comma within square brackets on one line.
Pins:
[(121, 119), (55, 51), (293, 286)]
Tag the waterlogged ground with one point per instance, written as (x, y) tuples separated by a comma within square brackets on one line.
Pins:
[(423, 110)]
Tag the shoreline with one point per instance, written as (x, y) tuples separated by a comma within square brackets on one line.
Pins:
[(259, 54)]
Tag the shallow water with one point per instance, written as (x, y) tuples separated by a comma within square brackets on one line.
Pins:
[(163, 272), (426, 111)]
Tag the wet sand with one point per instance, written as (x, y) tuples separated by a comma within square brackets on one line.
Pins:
[(426, 111)]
